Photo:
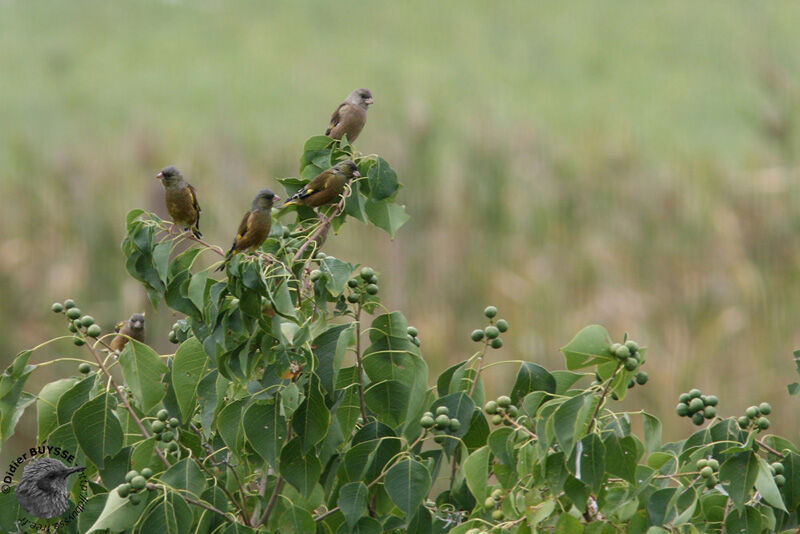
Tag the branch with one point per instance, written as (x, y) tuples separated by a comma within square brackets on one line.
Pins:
[(770, 449), (337, 209), (602, 398), (191, 500)]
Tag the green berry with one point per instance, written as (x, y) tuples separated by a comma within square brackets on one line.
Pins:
[(147, 472), (352, 298), (491, 407), (87, 320), (489, 503), (614, 396), (502, 325), (631, 383), (411, 331), (504, 401), (57, 307), (138, 482), (712, 400), (698, 418), (320, 255), (743, 422), (512, 411), (498, 515), (477, 335), (134, 499), (174, 423), (695, 393), (497, 419), (315, 275), (614, 348), (780, 480), (701, 463), (752, 412), (713, 464), (414, 340), (69, 303), (765, 408), (426, 422), (696, 405), (167, 435), (641, 378), (172, 337), (492, 332), (93, 331), (353, 283), (372, 289), (373, 279), (85, 368), (632, 346), (162, 414), (442, 410), (442, 421), (711, 482), (623, 352), (455, 424), (706, 472), (684, 398), (72, 328), (490, 311), (762, 423), (73, 313), (367, 273), (123, 490), (78, 340), (130, 475), (172, 446), (631, 364), (496, 343), (710, 412), (428, 414), (497, 493), (157, 426), (778, 467)]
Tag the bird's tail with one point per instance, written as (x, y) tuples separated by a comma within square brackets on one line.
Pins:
[(293, 201), (228, 256)]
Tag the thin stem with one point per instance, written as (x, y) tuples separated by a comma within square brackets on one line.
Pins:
[(191, 500), (272, 500), (337, 209), (359, 368), (602, 398), (770, 449)]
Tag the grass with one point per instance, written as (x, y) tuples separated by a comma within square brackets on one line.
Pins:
[(628, 164)]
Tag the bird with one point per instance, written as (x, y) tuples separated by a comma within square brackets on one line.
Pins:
[(132, 328), (43, 488), (326, 187), (181, 198), (255, 226), (351, 116)]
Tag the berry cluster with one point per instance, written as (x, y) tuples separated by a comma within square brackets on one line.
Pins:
[(163, 429), (180, 331), (77, 323), (754, 417), (365, 283), (493, 503), (134, 483), (413, 335), (697, 406), (776, 469), (709, 469), (629, 355), (493, 330), (441, 422), (498, 408)]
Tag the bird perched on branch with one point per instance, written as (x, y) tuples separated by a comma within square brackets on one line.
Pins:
[(43, 488), (326, 187), (181, 199), (254, 228), (132, 328), (351, 115)]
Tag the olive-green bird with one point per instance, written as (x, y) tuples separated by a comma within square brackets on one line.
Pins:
[(254, 228), (351, 115), (181, 200), (326, 187), (132, 328)]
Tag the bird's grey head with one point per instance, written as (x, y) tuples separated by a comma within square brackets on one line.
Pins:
[(263, 200), (43, 488), (346, 167), (361, 97), (136, 321), (170, 176)]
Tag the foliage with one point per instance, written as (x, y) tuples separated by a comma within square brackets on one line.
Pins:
[(282, 411)]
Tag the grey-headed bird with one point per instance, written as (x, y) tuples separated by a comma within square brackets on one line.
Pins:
[(181, 199), (43, 488), (351, 116)]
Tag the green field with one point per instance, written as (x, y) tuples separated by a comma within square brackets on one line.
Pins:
[(624, 163)]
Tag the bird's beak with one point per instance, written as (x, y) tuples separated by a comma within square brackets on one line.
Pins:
[(75, 469), (357, 174), (276, 198), (160, 176), (368, 101)]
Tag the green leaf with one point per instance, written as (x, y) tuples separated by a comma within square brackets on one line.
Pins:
[(330, 348), (531, 377), (476, 472), (389, 400), (386, 215), (791, 489), (197, 289), (13, 400), (296, 520), (100, 433), (407, 483), (738, 474), (765, 484), (161, 254), (230, 427), (142, 370), (382, 180), (568, 524), (265, 429), (311, 419), (74, 398), (461, 407), (353, 501), (565, 420), (118, 514), (338, 272), (744, 521), (621, 457), (652, 432), (365, 525), (589, 346), (301, 471), (47, 405), (590, 462), (188, 367), (185, 475), (659, 506), (169, 515)]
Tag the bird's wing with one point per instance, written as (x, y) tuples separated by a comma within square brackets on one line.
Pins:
[(195, 204), (336, 118), (314, 186), (242, 229)]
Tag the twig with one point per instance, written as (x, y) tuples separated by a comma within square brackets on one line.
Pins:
[(602, 399), (325, 224), (770, 449), (191, 500), (272, 500), (359, 368)]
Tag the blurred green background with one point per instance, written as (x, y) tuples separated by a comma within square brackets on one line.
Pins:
[(627, 163)]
